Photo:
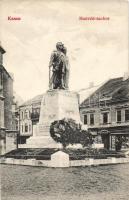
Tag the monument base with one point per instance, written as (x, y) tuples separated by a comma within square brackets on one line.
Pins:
[(55, 105), (42, 142)]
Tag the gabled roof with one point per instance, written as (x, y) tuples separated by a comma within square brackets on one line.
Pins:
[(17, 99), (114, 89), (6, 72), (123, 91), (86, 92), (36, 99)]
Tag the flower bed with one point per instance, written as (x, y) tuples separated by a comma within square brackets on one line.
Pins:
[(74, 154)]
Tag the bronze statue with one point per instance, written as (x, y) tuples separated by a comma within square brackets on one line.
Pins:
[(66, 69), (60, 68)]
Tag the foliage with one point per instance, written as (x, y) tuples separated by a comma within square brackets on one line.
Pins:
[(97, 139), (121, 141), (67, 131)]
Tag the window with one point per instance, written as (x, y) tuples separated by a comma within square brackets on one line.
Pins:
[(105, 118), (102, 103), (22, 115), (34, 110), (118, 115), (91, 119), (26, 128), (26, 114), (1, 58), (38, 110), (29, 114), (85, 119), (29, 128), (127, 115), (1, 78)]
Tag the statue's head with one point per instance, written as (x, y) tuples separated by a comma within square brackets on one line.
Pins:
[(64, 50), (59, 45)]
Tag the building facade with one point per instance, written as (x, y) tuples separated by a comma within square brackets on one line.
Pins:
[(106, 112), (6, 103), (28, 117), (2, 126)]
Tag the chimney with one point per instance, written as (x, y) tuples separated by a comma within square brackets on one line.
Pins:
[(91, 84), (126, 76)]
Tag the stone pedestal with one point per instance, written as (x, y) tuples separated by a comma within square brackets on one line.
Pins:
[(55, 105), (60, 159)]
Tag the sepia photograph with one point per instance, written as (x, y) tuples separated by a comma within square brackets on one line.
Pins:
[(64, 100)]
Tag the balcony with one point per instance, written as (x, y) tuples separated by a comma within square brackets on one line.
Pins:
[(34, 117)]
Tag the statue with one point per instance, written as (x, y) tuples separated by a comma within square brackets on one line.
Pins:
[(60, 68), (66, 70)]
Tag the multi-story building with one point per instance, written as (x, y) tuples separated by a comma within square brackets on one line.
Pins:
[(2, 127), (106, 111), (28, 117), (6, 102)]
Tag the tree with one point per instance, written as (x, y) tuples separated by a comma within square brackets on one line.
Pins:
[(67, 131)]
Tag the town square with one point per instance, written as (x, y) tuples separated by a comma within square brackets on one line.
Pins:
[(64, 101)]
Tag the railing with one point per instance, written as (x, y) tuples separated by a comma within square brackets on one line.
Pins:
[(34, 116)]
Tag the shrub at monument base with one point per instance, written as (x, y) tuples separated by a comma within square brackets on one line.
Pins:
[(67, 131)]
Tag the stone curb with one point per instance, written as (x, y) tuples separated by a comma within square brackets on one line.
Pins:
[(71, 163)]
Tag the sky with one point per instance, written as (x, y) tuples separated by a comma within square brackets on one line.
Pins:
[(97, 50)]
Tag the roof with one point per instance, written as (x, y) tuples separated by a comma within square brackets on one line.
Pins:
[(2, 50), (4, 70), (86, 92), (17, 99), (122, 93), (114, 89), (36, 99), (1, 66)]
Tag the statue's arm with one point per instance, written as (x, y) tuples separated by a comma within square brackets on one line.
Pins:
[(51, 65), (51, 59), (68, 63)]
